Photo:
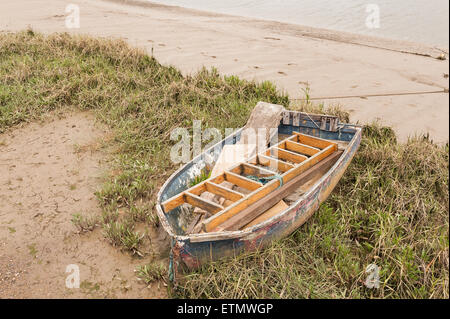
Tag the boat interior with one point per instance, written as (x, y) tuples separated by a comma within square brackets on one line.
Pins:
[(257, 189)]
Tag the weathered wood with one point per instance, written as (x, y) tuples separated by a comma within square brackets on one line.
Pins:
[(296, 119), (194, 196), (249, 169), (173, 202), (334, 124), (179, 199), (242, 181), (301, 148), (281, 145), (252, 211), (199, 225), (311, 116), (286, 118), (198, 238), (223, 192), (301, 117), (323, 124), (232, 210), (218, 179), (310, 162), (198, 189), (285, 155), (312, 141), (274, 210), (230, 155), (219, 218), (202, 203), (275, 163), (193, 223)]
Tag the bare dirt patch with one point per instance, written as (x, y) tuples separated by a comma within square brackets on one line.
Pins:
[(48, 172)]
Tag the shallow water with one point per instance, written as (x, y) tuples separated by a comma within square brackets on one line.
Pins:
[(424, 21)]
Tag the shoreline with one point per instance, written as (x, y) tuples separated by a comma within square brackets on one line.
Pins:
[(377, 42), (372, 78)]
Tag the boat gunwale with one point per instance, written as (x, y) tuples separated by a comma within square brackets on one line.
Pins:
[(223, 235)]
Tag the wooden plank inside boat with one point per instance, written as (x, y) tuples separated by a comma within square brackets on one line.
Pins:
[(243, 174), (223, 192), (301, 148), (211, 223), (252, 212), (285, 155), (202, 203), (274, 163), (273, 211), (311, 141), (242, 181)]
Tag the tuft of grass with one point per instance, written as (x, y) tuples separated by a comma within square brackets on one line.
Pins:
[(32, 250), (151, 272), (122, 234), (144, 213), (83, 223), (204, 175)]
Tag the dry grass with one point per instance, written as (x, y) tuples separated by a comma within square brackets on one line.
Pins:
[(390, 208)]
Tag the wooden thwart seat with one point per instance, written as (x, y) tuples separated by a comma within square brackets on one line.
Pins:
[(242, 181), (301, 148), (223, 191), (286, 155), (272, 162), (204, 204), (291, 157), (249, 169)]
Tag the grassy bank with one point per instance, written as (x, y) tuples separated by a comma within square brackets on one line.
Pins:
[(390, 208)]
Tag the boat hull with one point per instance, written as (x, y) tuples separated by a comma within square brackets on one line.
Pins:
[(195, 250)]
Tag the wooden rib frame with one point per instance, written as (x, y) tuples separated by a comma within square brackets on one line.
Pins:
[(316, 148), (301, 148)]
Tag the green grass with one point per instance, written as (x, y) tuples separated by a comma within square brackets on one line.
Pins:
[(32, 250), (151, 272), (390, 208), (122, 234), (204, 175)]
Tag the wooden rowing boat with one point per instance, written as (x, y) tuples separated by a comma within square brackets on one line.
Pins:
[(313, 154)]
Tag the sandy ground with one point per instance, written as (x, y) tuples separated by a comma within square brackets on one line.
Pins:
[(333, 64), (49, 171)]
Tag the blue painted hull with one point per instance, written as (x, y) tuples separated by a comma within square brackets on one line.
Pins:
[(196, 249)]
